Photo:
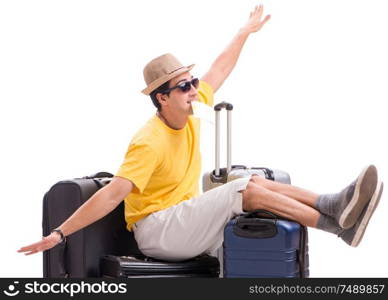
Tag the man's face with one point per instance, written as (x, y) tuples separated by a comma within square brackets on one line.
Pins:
[(179, 102)]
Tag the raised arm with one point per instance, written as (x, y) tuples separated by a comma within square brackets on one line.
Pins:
[(225, 62), (99, 205)]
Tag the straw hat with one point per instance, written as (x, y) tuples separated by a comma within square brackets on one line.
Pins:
[(162, 69)]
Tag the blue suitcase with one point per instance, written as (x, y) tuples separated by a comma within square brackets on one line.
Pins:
[(258, 246)]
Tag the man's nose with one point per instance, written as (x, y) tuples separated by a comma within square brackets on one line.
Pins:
[(193, 91)]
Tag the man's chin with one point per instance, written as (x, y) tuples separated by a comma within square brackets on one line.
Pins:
[(190, 110)]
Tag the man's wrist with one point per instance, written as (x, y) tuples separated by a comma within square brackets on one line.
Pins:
[(244, 32), (61, 235)]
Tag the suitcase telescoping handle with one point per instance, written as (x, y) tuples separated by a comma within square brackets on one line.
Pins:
[(218, 108)]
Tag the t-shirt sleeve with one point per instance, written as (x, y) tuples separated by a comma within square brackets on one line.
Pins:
[(205, 93), (139, 164)]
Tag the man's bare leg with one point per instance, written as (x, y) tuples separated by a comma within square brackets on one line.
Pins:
[(307, 197), (259, 197), (345, 206)]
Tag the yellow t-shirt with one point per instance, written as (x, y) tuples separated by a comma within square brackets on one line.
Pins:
[(163, 163)]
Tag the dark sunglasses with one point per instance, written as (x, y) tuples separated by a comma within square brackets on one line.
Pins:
[(184, 86)]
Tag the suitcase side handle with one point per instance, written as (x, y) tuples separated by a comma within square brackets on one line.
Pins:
[(99, 175), (217, 108), (254, 227), (101, 179), (63, 273), (302, 253)]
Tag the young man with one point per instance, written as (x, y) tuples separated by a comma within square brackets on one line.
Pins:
[(159, 176)]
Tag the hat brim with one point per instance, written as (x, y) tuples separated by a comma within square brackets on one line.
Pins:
[(158, 82)]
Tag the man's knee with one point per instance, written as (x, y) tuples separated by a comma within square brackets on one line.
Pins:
[(248, 190), (258, 180), (251, 195)]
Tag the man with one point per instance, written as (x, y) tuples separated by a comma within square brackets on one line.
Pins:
[(159, 176)]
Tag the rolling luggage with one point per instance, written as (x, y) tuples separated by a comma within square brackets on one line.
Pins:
[(220, 176), (258, 246), (80, 255), (255, 245), (145, 267)]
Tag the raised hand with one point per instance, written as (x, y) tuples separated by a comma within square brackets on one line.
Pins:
[(255, 22)]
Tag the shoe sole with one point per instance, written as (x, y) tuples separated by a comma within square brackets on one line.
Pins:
[(363, 191), (368, 214)]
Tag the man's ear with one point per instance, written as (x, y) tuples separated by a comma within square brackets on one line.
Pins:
[(162, 98)]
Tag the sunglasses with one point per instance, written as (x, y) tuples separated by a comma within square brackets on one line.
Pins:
[(184, 86)]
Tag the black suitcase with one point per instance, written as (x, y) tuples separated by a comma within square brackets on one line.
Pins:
[(145, 267), (80, 255)]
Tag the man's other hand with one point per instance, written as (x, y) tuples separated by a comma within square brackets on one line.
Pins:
[(46, 243)]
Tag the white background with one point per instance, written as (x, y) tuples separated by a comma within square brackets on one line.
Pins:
[(309, 93)]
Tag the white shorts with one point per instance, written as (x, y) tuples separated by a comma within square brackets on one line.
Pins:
[(192, 227)]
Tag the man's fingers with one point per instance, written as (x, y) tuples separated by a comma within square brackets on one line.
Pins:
[(39, 246), (29, 247), (260, 10), (253, 12), (24, 249), (42, 245), (31, 252), (267, 17), (257, 12)]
